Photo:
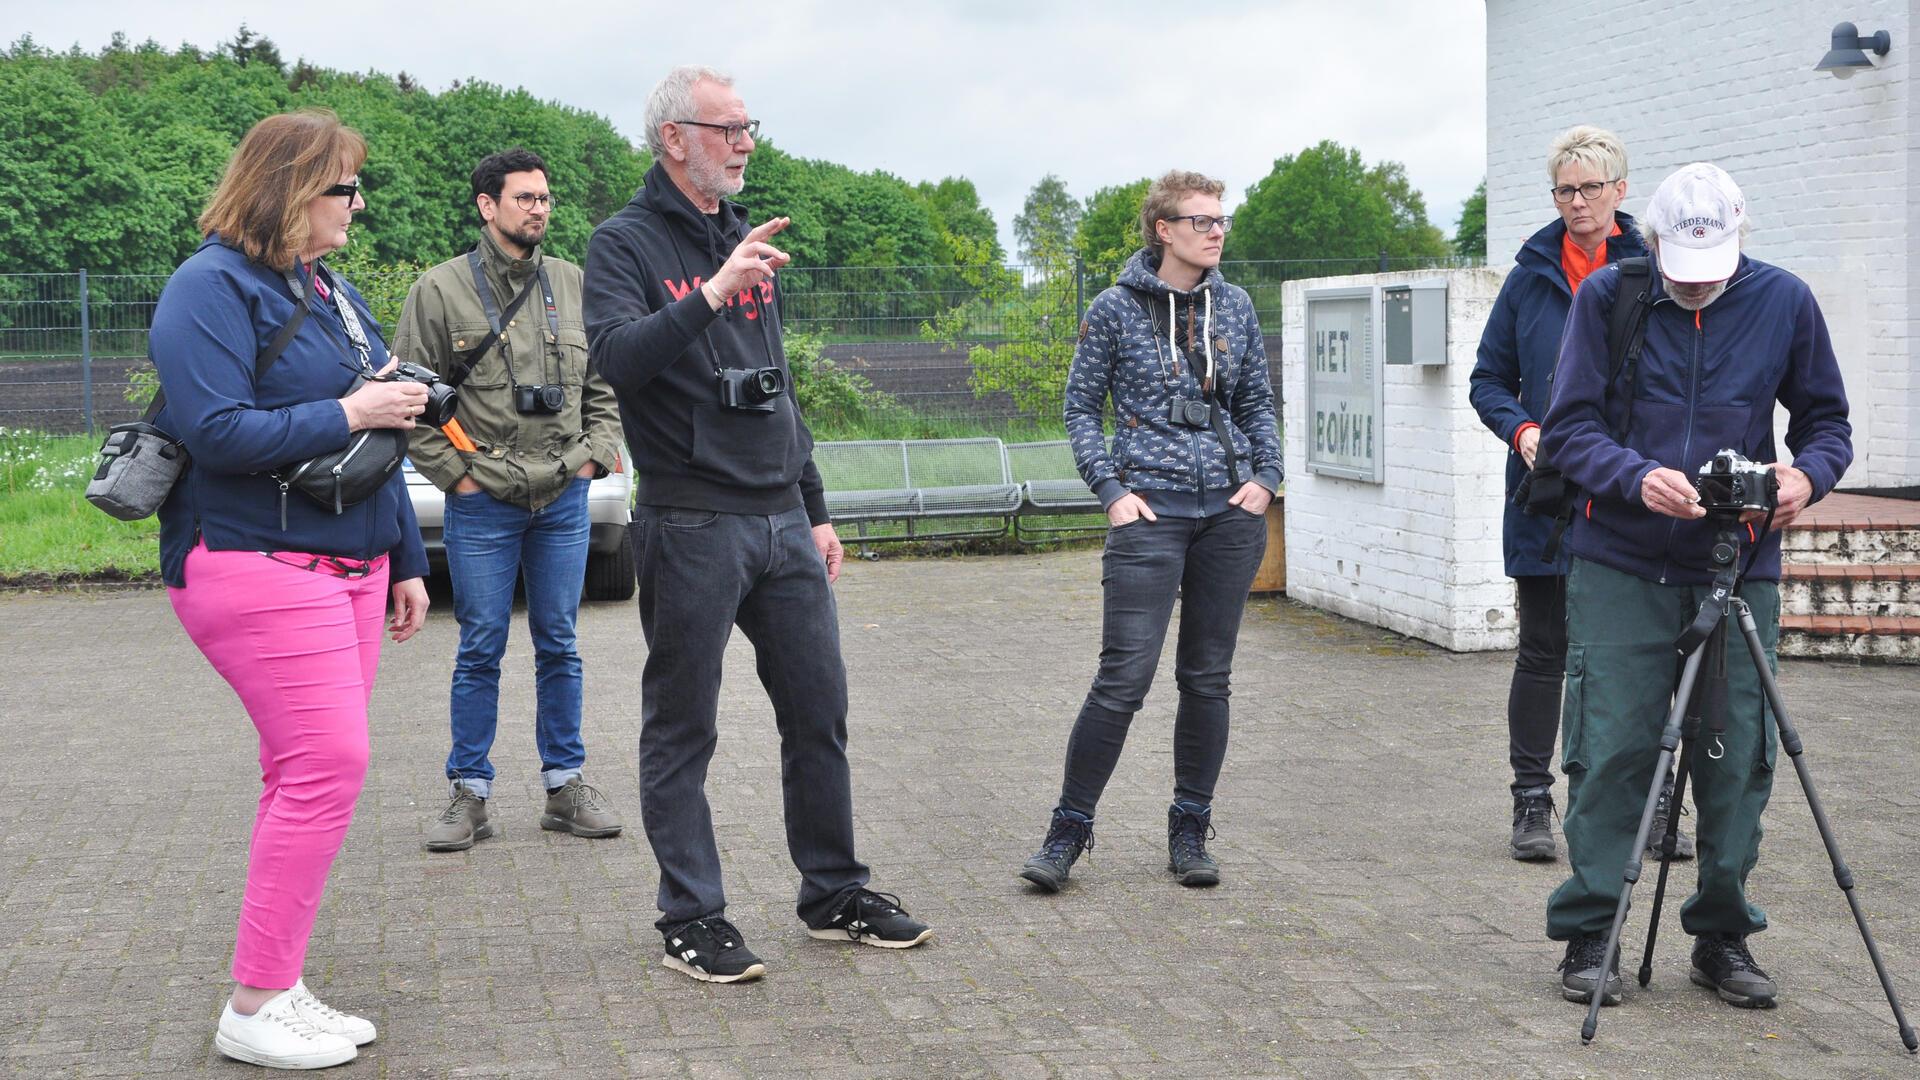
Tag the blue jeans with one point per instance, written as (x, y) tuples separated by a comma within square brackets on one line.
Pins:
[(490, 545), (1207, 564)]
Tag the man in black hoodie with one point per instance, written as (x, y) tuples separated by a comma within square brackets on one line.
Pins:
[(683, 322)]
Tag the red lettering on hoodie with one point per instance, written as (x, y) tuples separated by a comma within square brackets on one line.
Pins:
[(679, 289)]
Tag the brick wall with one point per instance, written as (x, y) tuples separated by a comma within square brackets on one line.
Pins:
[(1420, 553), (1829, 166)]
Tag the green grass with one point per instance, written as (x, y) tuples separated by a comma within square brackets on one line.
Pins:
[(48, 530)]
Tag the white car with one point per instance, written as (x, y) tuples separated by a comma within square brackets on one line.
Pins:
[(610, 573)]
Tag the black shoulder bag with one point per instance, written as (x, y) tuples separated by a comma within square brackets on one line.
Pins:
[(1546, 490)]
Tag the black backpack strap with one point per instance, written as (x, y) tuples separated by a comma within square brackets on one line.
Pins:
[(497, 320)]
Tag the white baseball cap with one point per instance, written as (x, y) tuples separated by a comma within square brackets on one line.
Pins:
[(1696, 213)]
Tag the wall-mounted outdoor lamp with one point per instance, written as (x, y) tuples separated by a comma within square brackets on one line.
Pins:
[(1849, 52)]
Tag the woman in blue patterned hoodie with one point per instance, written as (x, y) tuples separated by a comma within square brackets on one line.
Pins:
[(1194, 461)]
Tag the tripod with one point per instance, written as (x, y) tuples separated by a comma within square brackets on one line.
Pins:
[(1705, 642)]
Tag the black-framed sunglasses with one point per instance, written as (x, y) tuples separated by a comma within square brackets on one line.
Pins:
[(1205, 222), (346, 191), (1589, 191), (527, 200), (730, 131)]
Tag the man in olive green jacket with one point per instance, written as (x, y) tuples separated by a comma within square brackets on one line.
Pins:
[(533, 427)]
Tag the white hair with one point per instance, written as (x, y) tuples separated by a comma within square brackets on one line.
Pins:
[(1596, 148), (672, 100)]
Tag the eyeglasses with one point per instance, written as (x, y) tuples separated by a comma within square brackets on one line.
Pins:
[(1205, 222), (527, 200), (1589, 191), (346, 191), (732, 131)]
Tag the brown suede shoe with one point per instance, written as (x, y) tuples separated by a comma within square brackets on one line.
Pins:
[(580, 809), (461, 824)]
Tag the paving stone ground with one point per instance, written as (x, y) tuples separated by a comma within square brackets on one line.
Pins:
[(1370, 923)]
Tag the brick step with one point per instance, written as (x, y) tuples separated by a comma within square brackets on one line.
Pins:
[(1823, 543), (1891, 638), (1874, 589)]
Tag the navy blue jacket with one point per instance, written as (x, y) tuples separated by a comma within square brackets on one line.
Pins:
[(1705, 384), (218, 311), (1513, 378), (1180, 471)]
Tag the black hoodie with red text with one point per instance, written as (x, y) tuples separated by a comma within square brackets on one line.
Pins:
[(653, 337)]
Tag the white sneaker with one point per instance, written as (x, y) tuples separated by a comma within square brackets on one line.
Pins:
[(329, 1019), (279, 1037)]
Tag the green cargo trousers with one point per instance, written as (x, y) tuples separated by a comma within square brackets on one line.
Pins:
[(1622, 672)]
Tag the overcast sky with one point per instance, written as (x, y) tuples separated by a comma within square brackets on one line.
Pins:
[(998, 91)]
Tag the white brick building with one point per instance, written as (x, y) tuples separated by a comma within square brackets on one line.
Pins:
[(1830, 167)]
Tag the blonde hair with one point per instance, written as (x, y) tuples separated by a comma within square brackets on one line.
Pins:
[(1596, 148), (282, 164), (1163, 201)]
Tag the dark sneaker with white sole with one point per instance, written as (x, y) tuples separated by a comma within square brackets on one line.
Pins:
[(1722, 964), (1580, 971), (711, 950), (873, 918), (1067, 836), (1533, 826), (1189, 827)]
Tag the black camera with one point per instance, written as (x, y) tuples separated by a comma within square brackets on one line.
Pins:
[(1731, 484), (751, 389), (1188, 413), (442, 398), (539, 400)]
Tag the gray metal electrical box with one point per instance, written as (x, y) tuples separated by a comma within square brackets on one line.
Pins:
[(1413, 320)]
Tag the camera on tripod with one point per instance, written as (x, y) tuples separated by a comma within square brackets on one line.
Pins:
[(1729, 484), (539, 400), (1189, 413), (751, 389)]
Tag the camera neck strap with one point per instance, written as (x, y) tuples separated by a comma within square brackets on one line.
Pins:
[(356, 335), (497, 320), (1213, 394)]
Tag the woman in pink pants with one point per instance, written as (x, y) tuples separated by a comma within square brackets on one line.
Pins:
[(284, 595)]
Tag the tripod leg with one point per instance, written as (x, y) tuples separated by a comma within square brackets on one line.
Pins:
[(1666, 859), (1842, 875), (1669, 740)]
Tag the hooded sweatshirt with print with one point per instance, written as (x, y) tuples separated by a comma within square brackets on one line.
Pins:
[(654, 339), (1125, 354)]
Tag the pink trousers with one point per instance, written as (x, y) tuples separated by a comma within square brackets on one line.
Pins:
[(300, 647)]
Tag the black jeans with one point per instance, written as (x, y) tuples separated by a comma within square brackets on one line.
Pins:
[(1209, 563), (1533, 701), (701, 574)]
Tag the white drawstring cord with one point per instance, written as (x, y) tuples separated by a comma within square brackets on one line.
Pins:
[(1206, 336)]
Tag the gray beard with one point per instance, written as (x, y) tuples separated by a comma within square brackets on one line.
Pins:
[(709, 178), (1696, 304)]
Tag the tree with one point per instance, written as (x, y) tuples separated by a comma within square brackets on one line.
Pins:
[(1045, 226), (1325, 203), (1470, 238), (954, 204), (1109, 229)]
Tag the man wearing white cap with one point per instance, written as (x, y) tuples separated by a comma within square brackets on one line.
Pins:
[(1726, 337)]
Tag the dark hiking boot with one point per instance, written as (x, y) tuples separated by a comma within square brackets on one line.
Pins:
[(580, 809), (874, 919), (1189, 827), (1533, 826), (1580, 971), (462, 824), (711, 950), (1722, 964), (1662, 810), (1068, 836)]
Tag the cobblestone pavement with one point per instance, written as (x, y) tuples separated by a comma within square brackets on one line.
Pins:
[(1370, 923)]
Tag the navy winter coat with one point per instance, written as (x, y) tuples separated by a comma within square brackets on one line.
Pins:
[(218, 311), (1705, 384), (1513, 378)]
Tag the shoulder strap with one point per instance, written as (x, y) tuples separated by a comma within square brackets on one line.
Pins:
[(1627, 325), (261, 363), (497, 320)]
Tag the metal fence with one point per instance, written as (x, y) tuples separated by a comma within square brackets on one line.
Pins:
[(70, 344)]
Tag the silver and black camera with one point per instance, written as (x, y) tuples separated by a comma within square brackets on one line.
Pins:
[(1188, 413), (1731, 484), (751, 389), (539, 400)]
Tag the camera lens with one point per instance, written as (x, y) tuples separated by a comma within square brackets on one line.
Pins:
[(766, 384), (553, 397)]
